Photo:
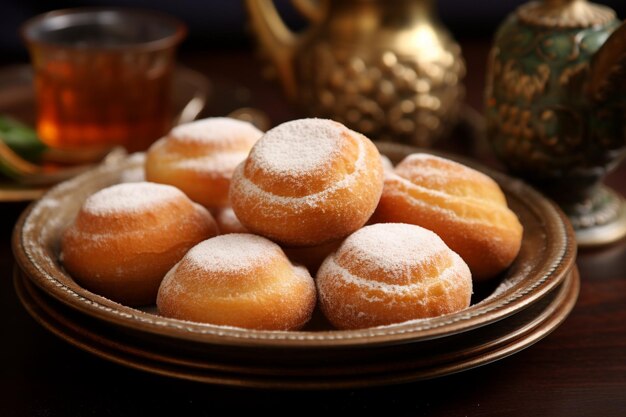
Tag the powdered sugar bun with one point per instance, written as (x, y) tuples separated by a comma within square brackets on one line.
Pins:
[(387, 164), (228, 222), (126, 237), (307, 182), (390, 273), (239, 280), (200, 157), (311, 256), (463, 206)]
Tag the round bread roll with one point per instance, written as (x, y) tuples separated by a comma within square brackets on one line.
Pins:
[(466, 208), (307, 182), (126, 237), (391, 273), (200, 157), (240, 280)]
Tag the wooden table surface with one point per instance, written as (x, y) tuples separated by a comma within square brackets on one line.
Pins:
[(578, 370)]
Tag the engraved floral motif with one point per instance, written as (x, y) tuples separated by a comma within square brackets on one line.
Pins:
[(541, 119), (545, 85), (574, 76), (517, 83)]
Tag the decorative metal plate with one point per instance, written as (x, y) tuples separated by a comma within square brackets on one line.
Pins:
[(527, 301)]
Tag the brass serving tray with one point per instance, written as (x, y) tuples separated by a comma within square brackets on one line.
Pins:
[(545, 261), (328, 369)]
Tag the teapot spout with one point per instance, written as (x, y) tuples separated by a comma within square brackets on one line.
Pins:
[(607, 72)]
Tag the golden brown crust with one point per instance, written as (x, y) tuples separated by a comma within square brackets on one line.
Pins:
[(390, 273), (311, 256), (125, 255), (199, 158), (315, 199), (466, 208), (254, 287)]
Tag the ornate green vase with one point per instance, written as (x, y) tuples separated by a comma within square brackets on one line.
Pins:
[(556, 108)]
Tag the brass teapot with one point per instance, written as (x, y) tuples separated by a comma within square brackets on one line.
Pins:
[(385, 68), (556, 107)]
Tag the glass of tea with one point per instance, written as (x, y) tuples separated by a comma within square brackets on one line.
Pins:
[(103, 76)]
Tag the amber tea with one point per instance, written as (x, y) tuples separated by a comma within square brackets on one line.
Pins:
[(103, 77)]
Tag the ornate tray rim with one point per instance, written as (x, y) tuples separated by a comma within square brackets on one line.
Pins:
[(147, 357)]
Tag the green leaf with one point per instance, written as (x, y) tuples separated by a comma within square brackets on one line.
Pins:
[(22, 139)]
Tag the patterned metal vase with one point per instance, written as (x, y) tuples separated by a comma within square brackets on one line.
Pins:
[(556, 104)]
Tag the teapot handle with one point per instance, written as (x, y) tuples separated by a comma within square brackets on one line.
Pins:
[(608, 66), (277, 39)]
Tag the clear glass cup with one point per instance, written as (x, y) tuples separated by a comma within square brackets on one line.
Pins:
[(103, 76)]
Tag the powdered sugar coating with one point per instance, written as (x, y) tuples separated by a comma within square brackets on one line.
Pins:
[(446, 277), (389, 273), (216, 131), (200, 157), (228, 222), (251, 190), (464, 206), (134, 197), (403, 184), (217, 164), (394, 247), (449, 190), (312, 202), (137, 172), (387, 164), (441, 174), (298, 146), (239, 280), (231, 253)]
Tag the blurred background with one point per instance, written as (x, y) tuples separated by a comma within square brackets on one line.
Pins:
[(217, 24)]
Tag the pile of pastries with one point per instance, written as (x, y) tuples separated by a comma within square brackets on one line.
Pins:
[(238, 227)]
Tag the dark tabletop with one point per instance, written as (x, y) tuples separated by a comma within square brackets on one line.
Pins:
[(578, 370)]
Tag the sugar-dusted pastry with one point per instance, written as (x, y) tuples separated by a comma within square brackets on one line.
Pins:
[(311, 256), (390, 273), (387, 164), (240, 280), (126, 237), (307, 182), (466, 208), (228, 222), (200, 157)]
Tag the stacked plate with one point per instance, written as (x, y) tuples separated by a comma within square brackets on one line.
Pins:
[(519, 308)]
